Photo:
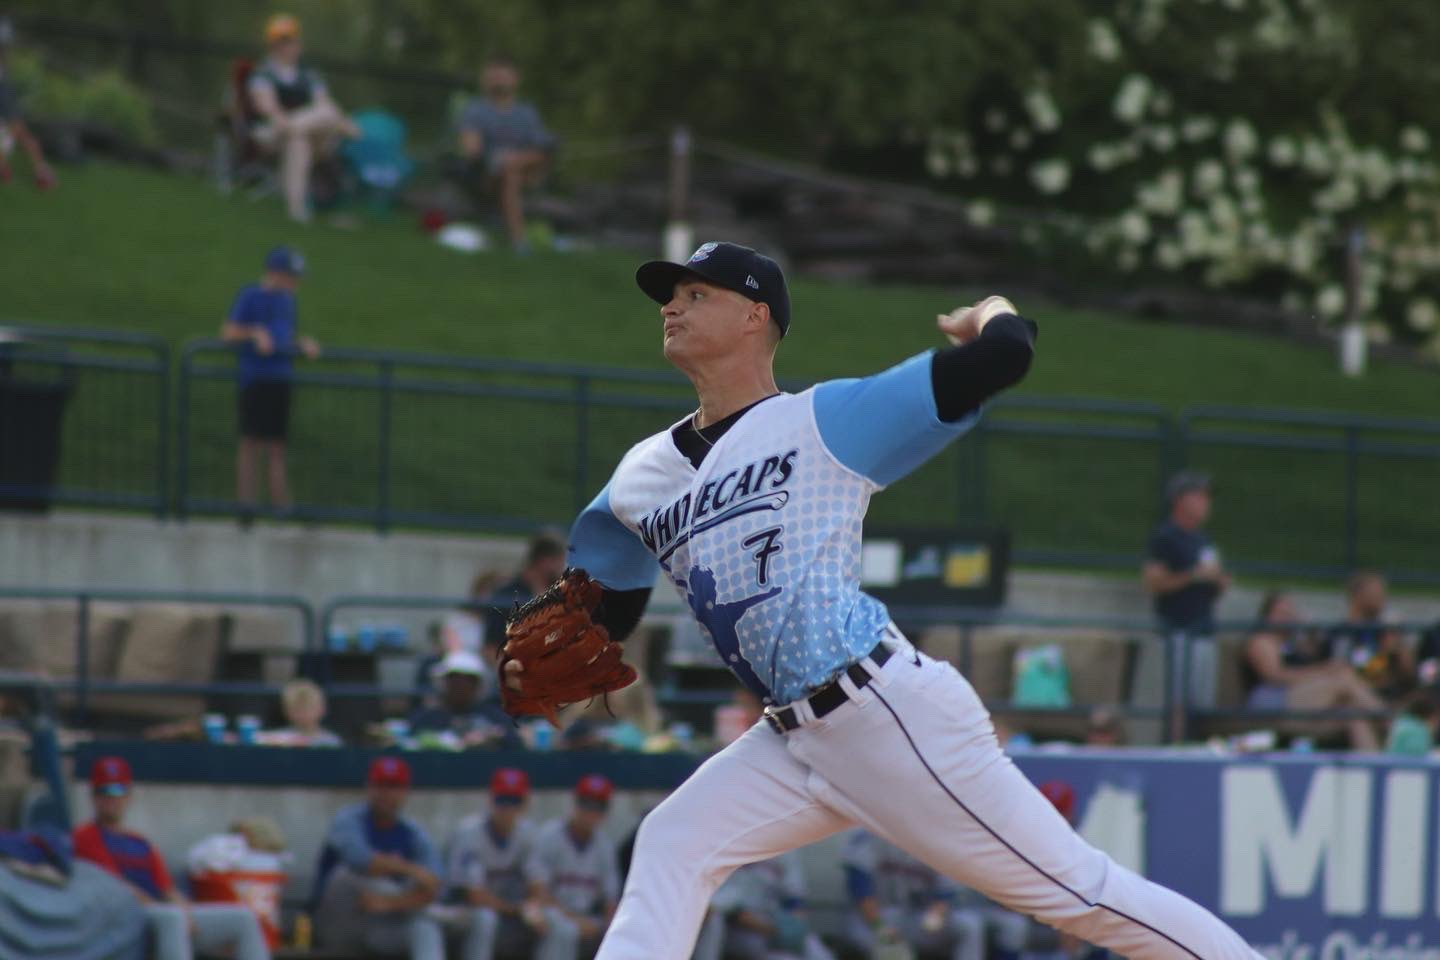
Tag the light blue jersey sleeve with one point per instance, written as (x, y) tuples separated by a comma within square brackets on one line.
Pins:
[(606, 549), (885, 426)]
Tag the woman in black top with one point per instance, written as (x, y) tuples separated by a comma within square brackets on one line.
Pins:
[(1285, 668)]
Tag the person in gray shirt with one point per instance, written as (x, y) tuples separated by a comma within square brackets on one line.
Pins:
[(504, 140)]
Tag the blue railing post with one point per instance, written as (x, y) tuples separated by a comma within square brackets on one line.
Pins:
[(182, 436), (162, 431), (387, 395), (1352, 496), (582, 441), (1168, 701), (82, 655)]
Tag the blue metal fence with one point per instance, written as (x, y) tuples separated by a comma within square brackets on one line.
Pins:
[(1320, 494), (389, 439)]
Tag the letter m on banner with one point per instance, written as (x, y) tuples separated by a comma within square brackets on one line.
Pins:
[(1331, 831)]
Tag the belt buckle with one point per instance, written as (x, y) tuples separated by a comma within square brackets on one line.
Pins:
[(769, 714)]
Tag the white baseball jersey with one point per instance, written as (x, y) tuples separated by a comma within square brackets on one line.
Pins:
[(478, 857), (582, 877), (762, 540), (884, 871)]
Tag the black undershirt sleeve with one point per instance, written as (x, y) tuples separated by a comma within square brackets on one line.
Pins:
[(620, 611), (965, 376)]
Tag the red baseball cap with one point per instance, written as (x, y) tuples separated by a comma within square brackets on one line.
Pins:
[(595, 789), (509, 783), (388, 771), (110, 776), (1062, 795)]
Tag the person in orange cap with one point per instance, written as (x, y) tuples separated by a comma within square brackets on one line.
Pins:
[(301, 121)]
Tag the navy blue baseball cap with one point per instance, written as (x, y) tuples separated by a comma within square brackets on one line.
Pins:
[(282, 259), (728, 265)]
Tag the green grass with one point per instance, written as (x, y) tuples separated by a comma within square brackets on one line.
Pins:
[(139, 250)]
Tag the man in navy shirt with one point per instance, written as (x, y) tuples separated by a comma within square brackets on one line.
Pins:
[(262, 322), (379, 873), (1183, 573)]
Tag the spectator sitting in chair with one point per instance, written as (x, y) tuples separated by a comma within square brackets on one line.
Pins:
[(178, 927), (379, 873), (262, 321), (462, 712), (1371, 647), (301, 121), (1284, 669), (506, 142), (12, 124)]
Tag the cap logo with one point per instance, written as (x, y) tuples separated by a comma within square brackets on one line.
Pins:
[(751, 282), (704, 250)]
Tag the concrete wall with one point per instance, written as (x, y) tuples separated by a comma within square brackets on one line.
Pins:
[(79, 549), (96, 550)]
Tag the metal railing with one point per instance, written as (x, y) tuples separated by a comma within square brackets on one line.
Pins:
[(1106, 667), (424, 440), (391, 439), (84, 418), (82, 685), (1341, 490)]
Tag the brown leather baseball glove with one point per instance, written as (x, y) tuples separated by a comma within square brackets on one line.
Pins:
[(565, 655)]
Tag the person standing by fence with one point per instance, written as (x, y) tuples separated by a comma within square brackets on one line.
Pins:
[(262, 322), (1183, 573)]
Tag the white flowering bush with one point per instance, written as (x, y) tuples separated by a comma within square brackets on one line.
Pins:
[(1238, 145)]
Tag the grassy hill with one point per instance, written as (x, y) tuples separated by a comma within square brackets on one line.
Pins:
[(135, 249), (139, 250)]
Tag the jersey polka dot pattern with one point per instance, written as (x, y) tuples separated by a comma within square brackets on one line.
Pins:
[(763, 544)]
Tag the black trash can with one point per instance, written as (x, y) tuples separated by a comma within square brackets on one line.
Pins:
[(32, 412)]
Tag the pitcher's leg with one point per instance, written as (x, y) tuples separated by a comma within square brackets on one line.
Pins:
[(750, 801), (916, 759)]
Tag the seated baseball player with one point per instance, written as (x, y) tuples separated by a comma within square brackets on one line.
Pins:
[(485, 866), (177, 926), (574, 872), (899, 899), (757, 914), (378, 874)]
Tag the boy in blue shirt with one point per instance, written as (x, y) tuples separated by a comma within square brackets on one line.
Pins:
[(262, 321)]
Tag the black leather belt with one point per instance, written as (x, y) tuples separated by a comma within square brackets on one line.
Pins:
[(829, 697)]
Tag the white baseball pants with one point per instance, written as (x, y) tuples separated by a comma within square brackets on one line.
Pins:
[(913, 758)]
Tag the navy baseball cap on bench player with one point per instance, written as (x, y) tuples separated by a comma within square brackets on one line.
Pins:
[(729, 265)]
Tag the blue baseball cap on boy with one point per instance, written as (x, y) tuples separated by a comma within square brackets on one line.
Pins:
[(283, 259)]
